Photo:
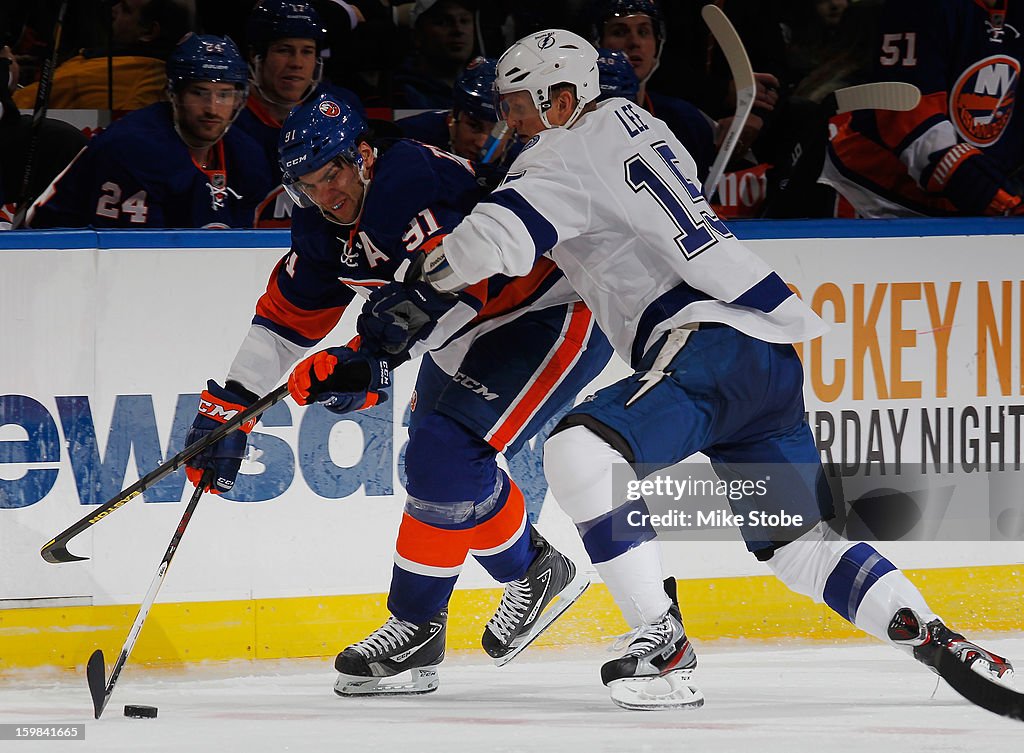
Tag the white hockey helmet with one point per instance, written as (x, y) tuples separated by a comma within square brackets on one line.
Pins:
[(547, 58)]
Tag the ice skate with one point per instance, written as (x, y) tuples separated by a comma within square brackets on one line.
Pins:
[(927, 640), (529, 605), (395, 647), (654, 671)]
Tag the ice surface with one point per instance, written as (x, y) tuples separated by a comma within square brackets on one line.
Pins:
[(769, 698)]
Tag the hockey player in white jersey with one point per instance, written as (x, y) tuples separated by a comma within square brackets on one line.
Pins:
[(607, 191)]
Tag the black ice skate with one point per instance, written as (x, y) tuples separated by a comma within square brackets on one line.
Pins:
[(653, 672), (529, 605), (926, 641), (397, 646)]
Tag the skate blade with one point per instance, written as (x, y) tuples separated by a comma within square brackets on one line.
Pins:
[(657, 693), (422, 680), (562, 601)]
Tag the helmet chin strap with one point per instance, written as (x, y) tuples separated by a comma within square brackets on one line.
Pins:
[(543, 112)]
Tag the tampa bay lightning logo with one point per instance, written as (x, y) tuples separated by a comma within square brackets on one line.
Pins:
[(530, 143), (330, 109), (545, 40)]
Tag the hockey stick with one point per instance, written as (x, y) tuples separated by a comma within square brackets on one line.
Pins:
[(56, 550), (746, 89), (989, 694), (883, 95), (498, 136), (38, 115), (95, 670)]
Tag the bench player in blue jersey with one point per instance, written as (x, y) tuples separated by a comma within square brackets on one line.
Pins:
[(608, 192), (172, 164), (510, 355), (284, 41)]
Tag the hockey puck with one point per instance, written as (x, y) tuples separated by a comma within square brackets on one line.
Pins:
[(140, 712)]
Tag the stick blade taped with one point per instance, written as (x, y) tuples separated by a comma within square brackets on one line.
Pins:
[(885, 95)]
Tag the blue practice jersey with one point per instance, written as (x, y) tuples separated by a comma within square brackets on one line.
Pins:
[(138, 173)]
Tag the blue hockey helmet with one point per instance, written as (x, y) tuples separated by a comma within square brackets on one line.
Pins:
[(474, 89), (271, 20), (204, 57), (320, 130), (618, 79)]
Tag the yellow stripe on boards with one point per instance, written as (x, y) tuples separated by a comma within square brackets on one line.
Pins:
[(969, 599)]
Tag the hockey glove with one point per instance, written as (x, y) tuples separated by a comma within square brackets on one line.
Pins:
[(218, 405), (340, 379), (397, 315)]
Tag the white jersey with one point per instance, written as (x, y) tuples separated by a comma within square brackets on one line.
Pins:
[(615, 202)]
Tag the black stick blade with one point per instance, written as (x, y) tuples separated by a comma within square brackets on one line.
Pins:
[(57, 553), (95, 673), (981, 691)]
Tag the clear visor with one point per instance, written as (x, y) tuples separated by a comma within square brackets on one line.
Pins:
[(304, 192)]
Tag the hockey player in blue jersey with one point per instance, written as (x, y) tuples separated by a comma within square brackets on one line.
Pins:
[(607, 191), (464, 129), (284, 41), (172, 164), (510, 354)]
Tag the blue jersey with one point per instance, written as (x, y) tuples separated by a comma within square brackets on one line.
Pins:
[(418, 194), (429, 127), (138, 173), (953, 152)]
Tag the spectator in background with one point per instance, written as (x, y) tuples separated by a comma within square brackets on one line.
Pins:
[(170, 164), (143, 34), (443, 39), (635, 27), (462, 130), (8, 84), (831, 45), (9, 118), (284, 40), (956, 152)]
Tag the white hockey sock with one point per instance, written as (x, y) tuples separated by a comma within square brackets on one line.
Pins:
[(890, 593), (634, 580), (851, 577)]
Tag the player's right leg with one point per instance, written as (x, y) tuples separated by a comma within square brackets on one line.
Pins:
[(451, 476), (851, 577), (506, 401), (647, 418)]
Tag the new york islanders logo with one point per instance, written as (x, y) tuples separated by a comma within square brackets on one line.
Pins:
[(329, 108), (981, 102)]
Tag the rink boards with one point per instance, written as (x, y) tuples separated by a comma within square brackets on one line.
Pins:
[(108, 337)]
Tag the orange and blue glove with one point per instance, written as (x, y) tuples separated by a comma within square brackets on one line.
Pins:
[(218, 405), (340, 379)]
